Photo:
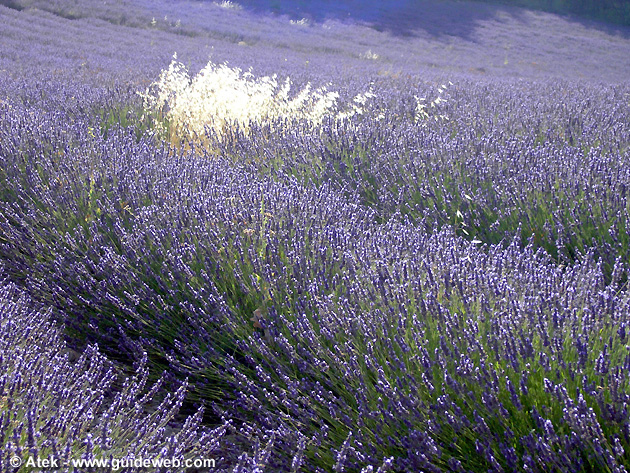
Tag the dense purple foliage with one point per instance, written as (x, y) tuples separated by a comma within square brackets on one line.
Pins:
[(387, 293), (51, 406)]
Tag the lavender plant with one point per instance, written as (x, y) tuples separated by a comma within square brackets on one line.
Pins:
[(384, 292), (60, 411)]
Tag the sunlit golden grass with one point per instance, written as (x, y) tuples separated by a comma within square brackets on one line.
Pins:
[(221, 100)]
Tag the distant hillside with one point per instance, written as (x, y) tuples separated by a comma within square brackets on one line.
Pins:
[(614, 11)]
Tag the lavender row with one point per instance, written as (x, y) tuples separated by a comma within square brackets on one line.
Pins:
[(57, 411), (294, 309), (517, 164), (60, 410), (132, 40), (66, 213)]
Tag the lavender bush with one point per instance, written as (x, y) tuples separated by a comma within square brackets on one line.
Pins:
[(428, 285), (57, 410)]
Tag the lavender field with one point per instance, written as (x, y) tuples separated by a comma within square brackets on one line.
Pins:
[(313, 237)]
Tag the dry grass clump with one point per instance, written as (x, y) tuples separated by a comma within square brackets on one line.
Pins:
[(220, 97)]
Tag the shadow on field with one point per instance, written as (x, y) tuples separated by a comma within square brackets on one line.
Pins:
[(11, 4), (608, 28), (407, 18), (397, 17)]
